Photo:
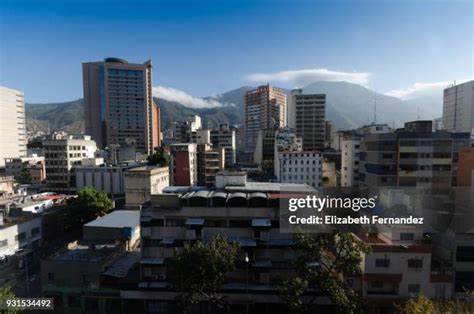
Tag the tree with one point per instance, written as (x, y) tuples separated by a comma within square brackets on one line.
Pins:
[(23, 177), (324, 260), (158, 158), (198, 271), (5, 294), (88, 205), (463, 304)]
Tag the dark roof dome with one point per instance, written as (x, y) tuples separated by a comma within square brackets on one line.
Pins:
[(116, 60)]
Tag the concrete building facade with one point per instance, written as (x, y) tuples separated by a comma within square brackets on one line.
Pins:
[(210, 161), (224, 137), (142, 182), (107, 178), (413, 156), (119, 105), (34, 165), (183, 164), (61, 154), (12, 124), (300, 167), (399, 267), (458, 108), (350, 149), (18, 233), (307, 114)]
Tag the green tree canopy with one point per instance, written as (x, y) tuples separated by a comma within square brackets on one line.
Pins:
[(88, 205), (7, 293), (198, 271), (463, 304), (324, 259), (158, 158), (23, 177)]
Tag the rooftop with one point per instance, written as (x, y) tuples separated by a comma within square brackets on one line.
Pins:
[(271, 187), (117, 219)]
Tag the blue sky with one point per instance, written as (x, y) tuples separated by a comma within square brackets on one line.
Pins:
[(207, 47)]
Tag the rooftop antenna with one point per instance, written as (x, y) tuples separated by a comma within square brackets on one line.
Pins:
[(418, 110)]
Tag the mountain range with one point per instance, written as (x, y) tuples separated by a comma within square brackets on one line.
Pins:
[(347, 106)]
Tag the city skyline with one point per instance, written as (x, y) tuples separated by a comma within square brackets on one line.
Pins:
[(301, 42)]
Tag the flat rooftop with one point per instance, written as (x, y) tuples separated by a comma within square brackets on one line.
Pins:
[(117, 219), (270, 187)]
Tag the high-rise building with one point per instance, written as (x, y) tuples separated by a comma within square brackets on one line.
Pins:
[(12, 124), (458, 108), (265, 108), (118, 104), (61, 154), (307, 113)]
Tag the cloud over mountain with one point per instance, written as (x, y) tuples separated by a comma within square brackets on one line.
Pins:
[(418, 90), (176, 95), (306, 76)]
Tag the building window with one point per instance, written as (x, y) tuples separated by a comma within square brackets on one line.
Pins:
[(463, 253), (415, 263), (414, 288), (3, 243), (35, 231), (51, 276), (20, 237), (377, 284), (407, 236), (382, 262)]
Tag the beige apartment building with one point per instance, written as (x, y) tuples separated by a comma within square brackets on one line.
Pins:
[(118, 104), (12, 124), (141, 182), (61, 153), (265, 108), (34, 165), (399, 267)]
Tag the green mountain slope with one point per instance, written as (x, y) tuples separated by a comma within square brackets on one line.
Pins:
[(348, 106)]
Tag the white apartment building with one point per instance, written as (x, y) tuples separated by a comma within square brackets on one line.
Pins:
[(12, 124), (18, 233), (300, 167), (285, 140), (61, 154), (458, 108), (103, 177)]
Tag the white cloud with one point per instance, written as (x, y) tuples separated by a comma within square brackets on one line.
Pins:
[(300, 78), (422, 90), (172, 94)]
